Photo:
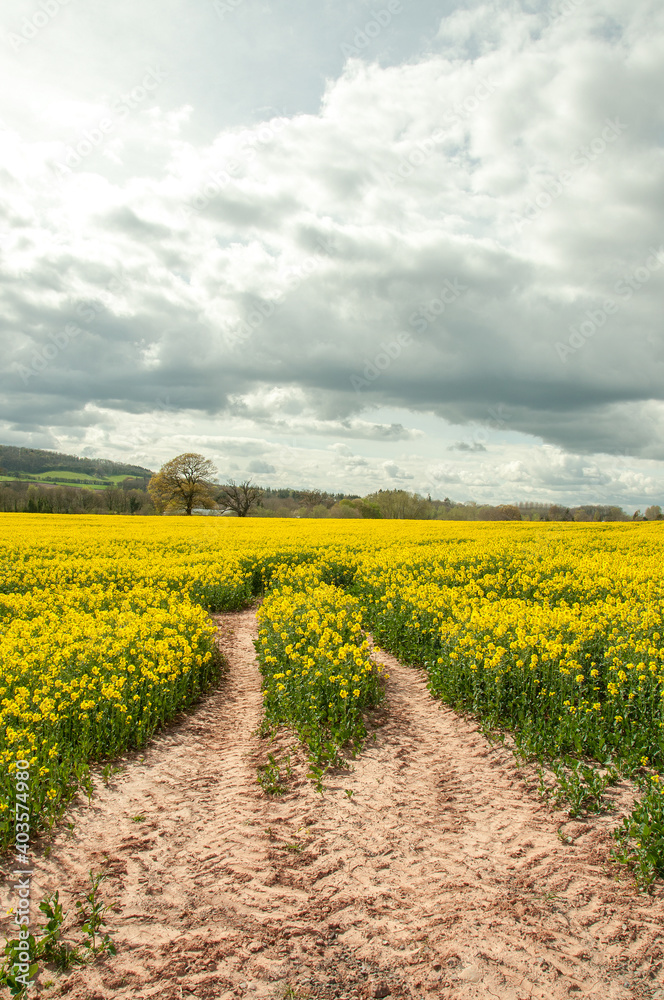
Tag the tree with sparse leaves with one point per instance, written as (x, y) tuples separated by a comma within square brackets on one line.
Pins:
[(239, 498), (400, 504), (183, 484)]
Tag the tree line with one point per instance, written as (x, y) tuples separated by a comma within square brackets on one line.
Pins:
[(186, 485), (23, 497), (401, 504)]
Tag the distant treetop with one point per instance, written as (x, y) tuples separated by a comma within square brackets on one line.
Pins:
[(35, 460)]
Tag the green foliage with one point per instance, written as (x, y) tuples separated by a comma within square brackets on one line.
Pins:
[(91, 911), (27, 497), (12, 972), (317, 773), (547, 647), (641, 835), (318, 676), (270, 778), (578, 787), (33, 461), (50, 947), (183, 484), (109, 771), (399, 504)]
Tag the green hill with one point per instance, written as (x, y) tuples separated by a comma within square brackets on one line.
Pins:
[(53, 466)]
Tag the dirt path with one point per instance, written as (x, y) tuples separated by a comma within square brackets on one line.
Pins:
[(441, 876)]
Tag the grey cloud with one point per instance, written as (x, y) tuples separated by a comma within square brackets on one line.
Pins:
[(302, 272), (394, 472), (262, 467), (246, 210), (128, 222), (465, 446), (363, 430), (239, 446)]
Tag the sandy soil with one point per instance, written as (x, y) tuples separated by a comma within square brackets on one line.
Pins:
[(443, 875)]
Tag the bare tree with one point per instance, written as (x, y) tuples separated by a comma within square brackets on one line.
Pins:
[(310, 498), (239, 498), (183, 483)]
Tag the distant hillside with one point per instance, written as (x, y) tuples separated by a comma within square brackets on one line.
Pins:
[(32, 461)]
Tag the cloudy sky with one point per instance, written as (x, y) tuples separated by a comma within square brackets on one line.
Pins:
[(339, 244)]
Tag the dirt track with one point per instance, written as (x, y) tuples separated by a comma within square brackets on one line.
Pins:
[(441, 876)]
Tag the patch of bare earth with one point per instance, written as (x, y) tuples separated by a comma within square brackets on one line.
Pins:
[(442, 875)]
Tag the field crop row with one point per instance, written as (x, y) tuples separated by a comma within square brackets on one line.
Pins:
[(551, 631), (318, 673)]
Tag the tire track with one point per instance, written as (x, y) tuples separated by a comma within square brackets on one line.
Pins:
[(430, 869)]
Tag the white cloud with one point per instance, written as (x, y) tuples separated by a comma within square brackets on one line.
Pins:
[(392, 471), (488, 195)]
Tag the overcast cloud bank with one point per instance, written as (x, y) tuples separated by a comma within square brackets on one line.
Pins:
[(486, 198)]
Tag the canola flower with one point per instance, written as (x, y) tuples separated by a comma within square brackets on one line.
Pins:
[(562, 643), (87, 674), (315, 659), (552, 631)]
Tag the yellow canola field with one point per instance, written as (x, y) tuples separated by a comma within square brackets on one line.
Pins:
[(555, 630), (552, 630), (318, 673)]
